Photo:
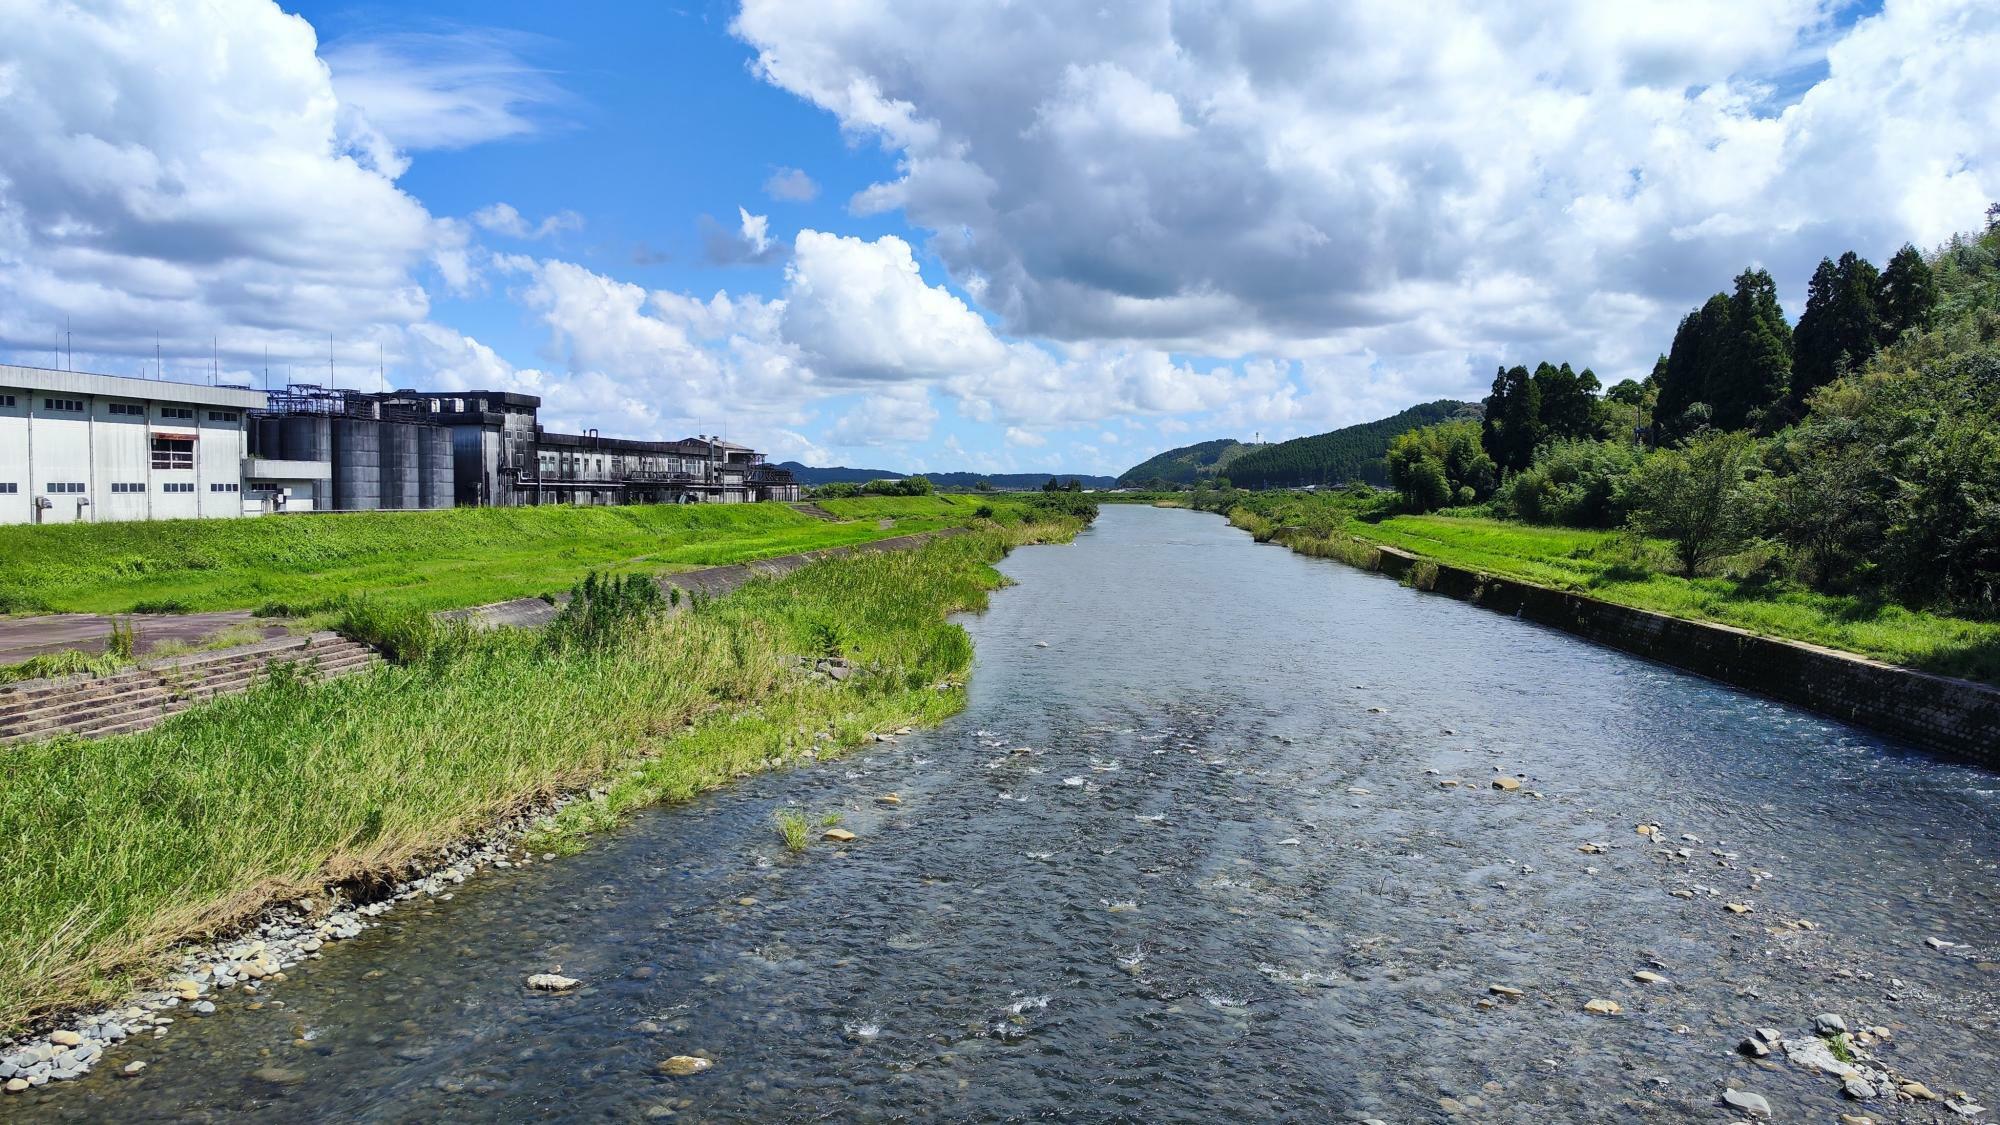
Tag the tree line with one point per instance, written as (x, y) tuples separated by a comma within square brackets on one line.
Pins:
[(1857, 451)]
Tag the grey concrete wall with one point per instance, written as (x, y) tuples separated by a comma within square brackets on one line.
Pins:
[(1939, 713)]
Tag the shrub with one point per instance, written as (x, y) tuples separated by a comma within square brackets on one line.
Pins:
[(1700, 497), (1574, 483)]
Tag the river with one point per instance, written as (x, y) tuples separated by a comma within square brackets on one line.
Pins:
[(1196, 859)]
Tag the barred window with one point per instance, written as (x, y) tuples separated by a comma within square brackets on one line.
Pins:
[(222, 487), (126, 487), (131, 408), (222, 416), (181, 412), (173, 453), (74, 405)]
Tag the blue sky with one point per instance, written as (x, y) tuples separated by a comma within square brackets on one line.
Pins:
[(1030, 236)]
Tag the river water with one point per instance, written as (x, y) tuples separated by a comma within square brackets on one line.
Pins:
[(1193, 860)]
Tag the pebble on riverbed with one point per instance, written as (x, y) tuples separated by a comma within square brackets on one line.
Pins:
[(552, 982)]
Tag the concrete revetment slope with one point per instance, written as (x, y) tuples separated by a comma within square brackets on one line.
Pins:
[(1940, 713)]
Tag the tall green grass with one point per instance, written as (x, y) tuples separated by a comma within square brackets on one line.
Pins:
[(428, 560), (112, 851)]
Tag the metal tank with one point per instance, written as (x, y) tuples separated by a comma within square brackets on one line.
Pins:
[(267, 439), (306, 437), (357, 464), (439, 486), (402, 466)]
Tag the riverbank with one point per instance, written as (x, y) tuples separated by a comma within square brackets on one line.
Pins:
[(1613, 567), (293, 565), (117, 852), (1940, 713)]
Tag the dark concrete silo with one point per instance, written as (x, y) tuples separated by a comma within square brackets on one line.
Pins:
[(402, 466), (357, 464)]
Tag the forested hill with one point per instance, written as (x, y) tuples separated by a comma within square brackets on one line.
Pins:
[(808, 475), (1187, 464), (1340, 456)]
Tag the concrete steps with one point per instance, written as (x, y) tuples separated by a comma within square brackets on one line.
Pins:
[(808, 508), (142, 696)]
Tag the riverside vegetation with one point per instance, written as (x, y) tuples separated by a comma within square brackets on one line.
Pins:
[(424, 560), (113, 852), (1837, 483)]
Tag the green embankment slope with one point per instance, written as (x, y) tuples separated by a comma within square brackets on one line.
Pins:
[(426, 560)]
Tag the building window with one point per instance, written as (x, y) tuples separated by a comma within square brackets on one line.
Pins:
[(74, 405), (185, 414), (131, 408), (10, 488), (178, 486), (124, 488), (222, 488), (173, 453), (222, 416), (7, 401), (61, 487)]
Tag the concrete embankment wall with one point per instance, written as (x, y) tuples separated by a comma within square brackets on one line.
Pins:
[(1954, 716)]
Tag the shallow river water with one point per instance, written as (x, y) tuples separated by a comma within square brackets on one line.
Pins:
[(1189, 861)]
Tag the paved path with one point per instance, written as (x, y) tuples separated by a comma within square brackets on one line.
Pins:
[(25, 637)]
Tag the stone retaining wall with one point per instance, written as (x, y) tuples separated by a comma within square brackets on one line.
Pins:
[(1958, 717)]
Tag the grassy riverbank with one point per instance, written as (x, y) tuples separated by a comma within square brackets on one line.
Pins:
[(1620, 568), (110, 852), (426, 560)]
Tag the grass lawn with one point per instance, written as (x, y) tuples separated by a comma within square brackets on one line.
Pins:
[(424, 560), (1590, 562)]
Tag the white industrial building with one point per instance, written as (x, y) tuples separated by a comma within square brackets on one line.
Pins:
[(76, 447)]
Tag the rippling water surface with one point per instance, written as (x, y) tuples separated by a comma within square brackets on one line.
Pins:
[(1190, 861)]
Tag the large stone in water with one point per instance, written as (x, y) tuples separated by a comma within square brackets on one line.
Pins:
[(838, 835), (1752, 1104), (552, 982), (680, 1066)]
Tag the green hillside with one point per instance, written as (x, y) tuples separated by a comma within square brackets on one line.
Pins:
[(1187, 464), (1348, 454)]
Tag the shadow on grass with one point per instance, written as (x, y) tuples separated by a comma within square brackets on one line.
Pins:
[(1975, 660)]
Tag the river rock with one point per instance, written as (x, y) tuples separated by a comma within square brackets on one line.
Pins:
[(1603, 1007), (1506, 784), (1738, 907), (1752, 1104), (1858, 1089), (552, 982), (65, 1038), (278, 1076), (1919, 1091), (1505, 990), (680, 1066), (1826, 1023), (838, 835), (1754, 1048), (1647, 976)]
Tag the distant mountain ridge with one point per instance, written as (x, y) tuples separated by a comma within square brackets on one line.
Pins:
[(1351, 453), (1187, 464), (810, 475)]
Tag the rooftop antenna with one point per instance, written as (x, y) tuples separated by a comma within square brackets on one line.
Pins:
[(267, 368), (159, 372), (69, 344), (329, 361), (381, 368), (214, 362)]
